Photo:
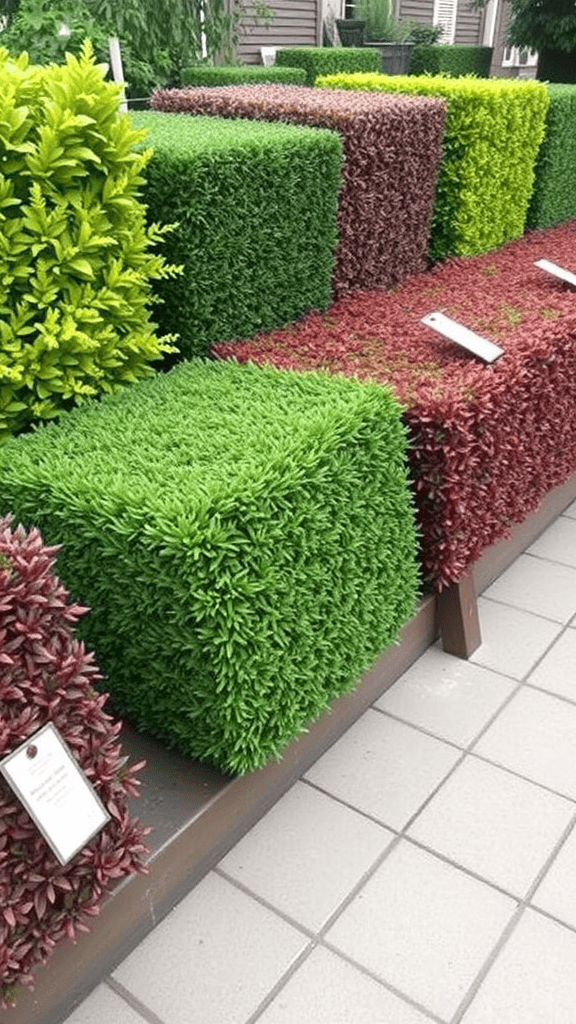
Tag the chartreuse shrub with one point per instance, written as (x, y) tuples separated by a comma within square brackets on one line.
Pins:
[(493, 132), (242, 74), (244, 536), (76, 259), (328, 60), (256, 208), (47, 677), (554, 196), (392, 150), (451, 60)]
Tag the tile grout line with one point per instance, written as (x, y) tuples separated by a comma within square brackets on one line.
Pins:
[(524, 904), (133, 1002)]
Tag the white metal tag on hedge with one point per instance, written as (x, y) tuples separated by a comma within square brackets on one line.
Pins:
[(462, 336), (62, 803), (557, 271)]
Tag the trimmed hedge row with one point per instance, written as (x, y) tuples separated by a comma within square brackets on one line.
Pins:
[(253, 556), (328, 60), (242, 74), (493, 132), (487, 441), (438, 58), (256, 207), (554, 196), (392, 147), (76, 259)]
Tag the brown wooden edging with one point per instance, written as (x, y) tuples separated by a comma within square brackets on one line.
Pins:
[(198, 814)]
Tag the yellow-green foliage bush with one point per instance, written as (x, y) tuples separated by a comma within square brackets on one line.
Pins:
[(493, 132), (75, 254)]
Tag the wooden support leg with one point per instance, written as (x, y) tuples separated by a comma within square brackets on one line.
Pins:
[(458, 617)]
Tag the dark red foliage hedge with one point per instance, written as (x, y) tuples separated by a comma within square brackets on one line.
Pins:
[(47, 676), (392, 151), (488, 441)]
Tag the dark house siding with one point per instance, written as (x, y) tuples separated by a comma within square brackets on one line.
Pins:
[(468, 25), (296, 23)]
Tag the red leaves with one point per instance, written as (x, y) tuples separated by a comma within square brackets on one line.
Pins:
[(47, 675), (487, 442)]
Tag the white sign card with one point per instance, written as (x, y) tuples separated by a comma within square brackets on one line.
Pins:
[(62, 803), (462, 336), (557, 271)]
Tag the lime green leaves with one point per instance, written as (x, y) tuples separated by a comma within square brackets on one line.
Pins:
[(76, 260)]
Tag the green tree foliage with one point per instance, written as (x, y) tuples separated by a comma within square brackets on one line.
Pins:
[(158, 37), (541, 24)]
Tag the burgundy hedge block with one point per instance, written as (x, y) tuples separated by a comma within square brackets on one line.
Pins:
[(488, 441), (47, 676), (392, 152)]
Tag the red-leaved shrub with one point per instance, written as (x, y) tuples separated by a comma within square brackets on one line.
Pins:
[(487, 441), (47, 676), (392, 150)]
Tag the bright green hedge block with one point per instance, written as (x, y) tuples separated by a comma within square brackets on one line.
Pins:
[(255, 206), (244, 536), (242, 74), (554, 196), (493, 132), (328, 60)]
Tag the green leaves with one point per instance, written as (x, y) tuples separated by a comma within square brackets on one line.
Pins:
[(75, 255), (246, 540), (256, 222)]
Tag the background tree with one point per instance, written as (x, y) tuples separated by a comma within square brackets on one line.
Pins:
[(548, 27)]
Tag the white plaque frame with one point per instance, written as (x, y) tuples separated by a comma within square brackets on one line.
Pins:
[(63, 804), (463, 337), (557, 271)]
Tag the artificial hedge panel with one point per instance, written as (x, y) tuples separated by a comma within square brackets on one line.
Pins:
[(554, 196), (328, 60), (438, 58), (256, 207), (488, 441), (242, 74), (76, 258), (493, 132), (392, 149), (251, 559)]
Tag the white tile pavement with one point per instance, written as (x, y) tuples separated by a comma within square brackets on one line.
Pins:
[(423, 871)]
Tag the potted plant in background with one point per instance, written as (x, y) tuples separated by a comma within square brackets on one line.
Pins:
[(352, 31), (385, 31)]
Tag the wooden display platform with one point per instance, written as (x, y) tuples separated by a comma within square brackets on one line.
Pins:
[(198, 813)]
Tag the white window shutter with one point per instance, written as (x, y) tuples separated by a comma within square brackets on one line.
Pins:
[(445, 15)]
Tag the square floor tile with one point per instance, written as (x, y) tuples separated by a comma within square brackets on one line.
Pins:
[(512, 640), (535, 735), (494, 824), (558, 542), (307, 854), (213, 959), (104, 1005), (544, 588), (533, 980), (384, 768), (328, 990), (557, 892), (448, 696), (423, 926), (556, 672)]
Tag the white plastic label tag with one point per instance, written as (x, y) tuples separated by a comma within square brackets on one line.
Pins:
[(462, 336), (47, 779)]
